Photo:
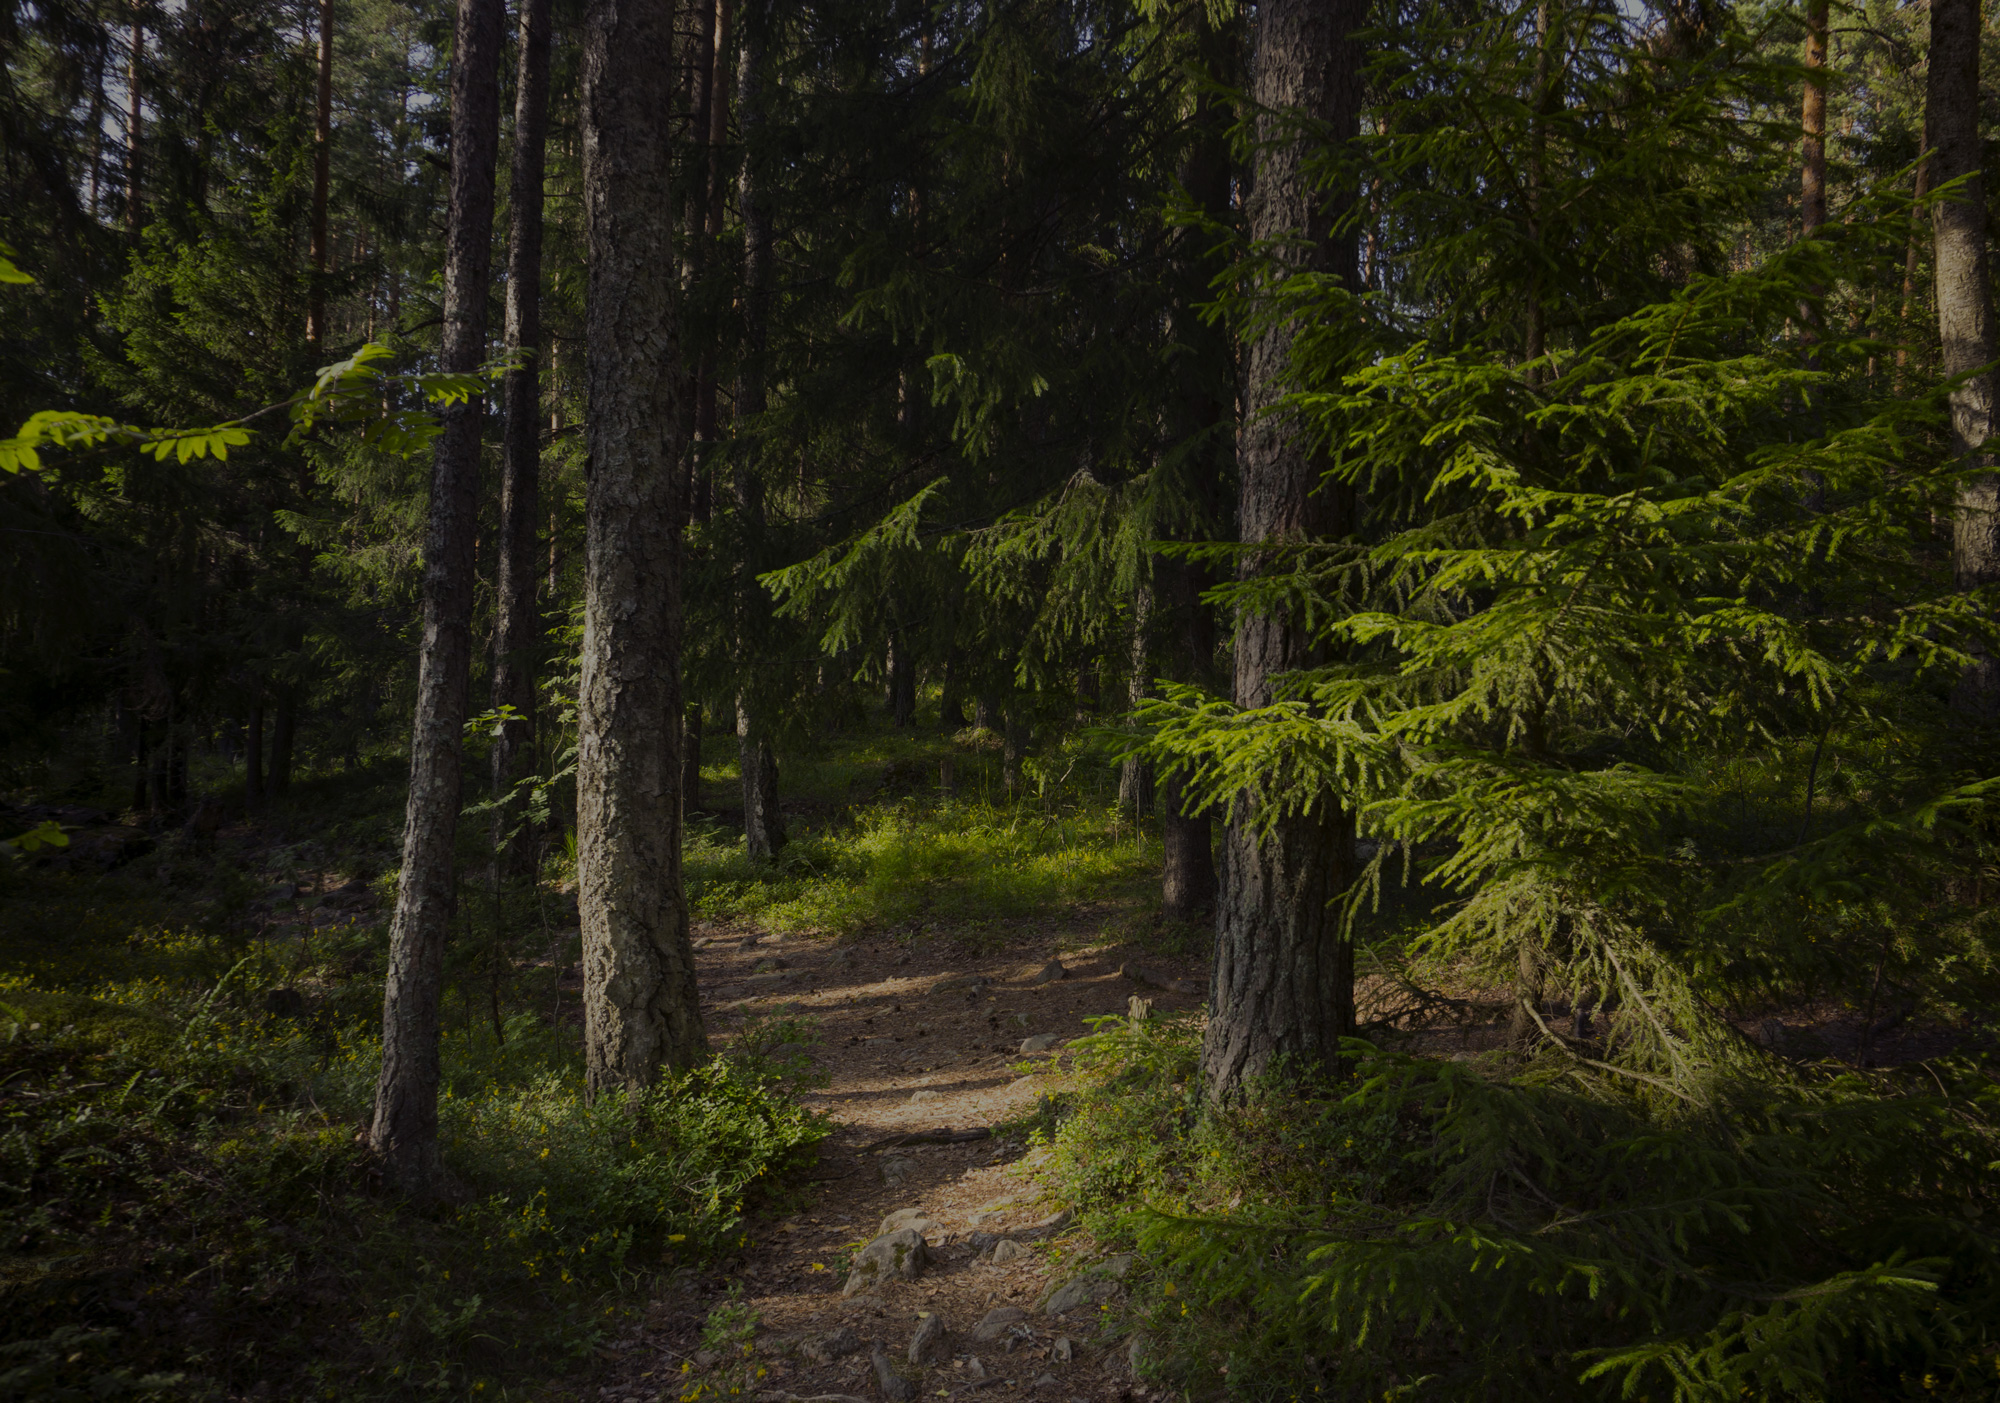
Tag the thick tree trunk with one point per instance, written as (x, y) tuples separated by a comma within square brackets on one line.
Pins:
[(763, 822), (1965, 312), (322, 177), (1283, 982), (1812, 153), (640, 1007), (404, 1134), (517, 627)]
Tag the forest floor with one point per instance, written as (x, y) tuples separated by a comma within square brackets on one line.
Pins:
[(913, 1041)]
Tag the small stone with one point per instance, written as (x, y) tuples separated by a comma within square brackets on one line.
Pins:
[(930, 1340), (974, 1368), (997, 1322), (918, 1098), (899, 1254), (1136, 1352), (905, 1218), (1040, 1042), (1007, 1250), (1063, 1352), (1020, 1020), (771, 965), (1046, 1381), (896, 1170), (1079, 1291), (1118, 1265), (1049, 973), (835, 1344), (706, 1358), (960, 983), (893, 1385)]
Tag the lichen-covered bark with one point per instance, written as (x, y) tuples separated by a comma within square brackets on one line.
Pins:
[(404, 1133), (1283, 981), (1965, 310), (517, 625), (640, 1009)]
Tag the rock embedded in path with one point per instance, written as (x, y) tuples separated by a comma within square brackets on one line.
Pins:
[(931, 1339), (893, 1385), (1049, 973), (997, 1322), (1007, 1250), (918, 1098), (899, 1255), (1041, 1042), (1078, 1291), (960, 983), (906, 1218)]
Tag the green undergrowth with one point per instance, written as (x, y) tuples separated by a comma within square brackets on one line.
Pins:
[(910, 866), (1446, 1230), (188, 1212)]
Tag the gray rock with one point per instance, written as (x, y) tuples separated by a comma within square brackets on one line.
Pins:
[(997, 1322), (1137, 1352), (893, 1385), (906, 1218), (1118, 1266), (918, 1098), (836, 1344), (1049, 973), (898, 1255), (960, 983), (895, 1170), (1063, 1352), (1051, 1225), (1007, 1250), (1046, 1381), (1040, 1042), (931, 1339), (771, 965), (1079, 1291)]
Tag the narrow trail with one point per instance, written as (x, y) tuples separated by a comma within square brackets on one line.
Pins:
[(913, 1041)]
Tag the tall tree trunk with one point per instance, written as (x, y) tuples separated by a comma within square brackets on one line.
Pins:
[(712, 204), (640, 1007), (763, 821), (1283, 982), (1812, 150), (691, 760), (1201, 408), (517, 627), (404, 1134), (284, 732), (253, 757), (1135, 776), (134, 118), (322, 177), (1965, 312)]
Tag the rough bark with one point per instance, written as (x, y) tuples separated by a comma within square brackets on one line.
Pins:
[(1812, 153), (1283, 981), (517, 625), (763, 821), (1965, 312), (322, 173), (640, 1009), (404, 1134)]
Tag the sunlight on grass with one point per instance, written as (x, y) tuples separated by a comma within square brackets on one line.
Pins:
[(961, 864)]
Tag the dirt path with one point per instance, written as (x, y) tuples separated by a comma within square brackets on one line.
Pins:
[(912, 1041)]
